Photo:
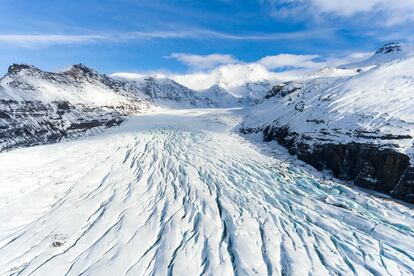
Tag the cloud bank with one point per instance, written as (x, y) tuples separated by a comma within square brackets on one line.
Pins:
[(35, 40), (380, 11), (203, 62), (231, 73)]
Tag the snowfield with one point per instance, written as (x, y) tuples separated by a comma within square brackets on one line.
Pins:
[(371, 105), (178, 193)]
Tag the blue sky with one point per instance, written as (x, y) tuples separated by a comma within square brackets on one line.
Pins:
[(172, 36)]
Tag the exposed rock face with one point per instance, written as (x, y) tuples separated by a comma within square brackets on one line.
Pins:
[(168, 93), (79, 84), (28, 123), (355, 120), (16, 68), (390, 48), (370, 166), (38, 107)]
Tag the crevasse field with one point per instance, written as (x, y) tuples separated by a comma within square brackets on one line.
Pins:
[(177, 192)]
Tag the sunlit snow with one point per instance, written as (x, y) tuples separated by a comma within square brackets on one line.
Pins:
[(178, 192)]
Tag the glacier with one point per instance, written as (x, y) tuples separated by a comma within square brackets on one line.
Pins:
[(178, 192)]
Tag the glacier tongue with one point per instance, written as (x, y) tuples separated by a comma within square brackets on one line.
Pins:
[(178, 193)]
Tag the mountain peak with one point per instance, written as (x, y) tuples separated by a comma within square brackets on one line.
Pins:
[(83, 69), (80, 71), (387, 53), (389, 48), (216, 87), (17, 68)]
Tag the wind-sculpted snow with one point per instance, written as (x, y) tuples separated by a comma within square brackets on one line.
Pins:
[(179, 194)]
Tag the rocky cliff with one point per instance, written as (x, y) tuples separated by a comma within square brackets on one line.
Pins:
[(370, 166), (355, 120), (29, 123)]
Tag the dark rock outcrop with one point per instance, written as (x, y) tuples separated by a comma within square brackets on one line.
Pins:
[(370, 166), (29, 123), (392, 47), (16, 68)]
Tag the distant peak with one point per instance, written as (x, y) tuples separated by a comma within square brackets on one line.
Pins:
[(82, 68), (80, 71), (389, 48), (216, 87), (17, 68)]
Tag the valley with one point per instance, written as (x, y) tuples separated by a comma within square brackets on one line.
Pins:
[(179, 192)]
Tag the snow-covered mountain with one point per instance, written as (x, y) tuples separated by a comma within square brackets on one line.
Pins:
[(168, 93), (77, 85), (241, 80), (38, 107), (176, 191), (218, 94), (387, 53), (357, 121), (244, 80), (247, 82), (28, 123), (41, 107)]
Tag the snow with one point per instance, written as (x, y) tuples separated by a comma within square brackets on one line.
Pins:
[(73, 85), (240, 80), (341, 105), (219, 95), (167, 93), (178, 192), (388, 53)]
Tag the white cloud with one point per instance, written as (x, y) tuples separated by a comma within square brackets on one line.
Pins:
[(203, 62), (289, 60), (393, 12), (228, 76), (231, 74), (34, 40), (29, 40), (277, 68), (345, 8)]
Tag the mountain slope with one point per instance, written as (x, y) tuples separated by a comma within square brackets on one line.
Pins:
[(168, 93), (243, 80), (38, 107), (222, 97), (79, 84), (389, 52), (348, 114)]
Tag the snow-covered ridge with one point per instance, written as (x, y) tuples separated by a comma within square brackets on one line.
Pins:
[(77, 85), (38, 107), (29, 96), (29, 123), (219, 92), (352, 106), (371, 106), (168, 93), (246, 81), (387, 53)]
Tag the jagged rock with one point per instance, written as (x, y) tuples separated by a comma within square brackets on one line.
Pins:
[(31, 123), (389, 48), (354, 120), (405, 187), (369, 166), (17, 68)]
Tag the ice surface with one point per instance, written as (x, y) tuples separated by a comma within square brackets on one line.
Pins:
[(179, 193)]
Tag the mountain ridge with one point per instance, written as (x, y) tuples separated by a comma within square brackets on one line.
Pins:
[(356, 123)]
